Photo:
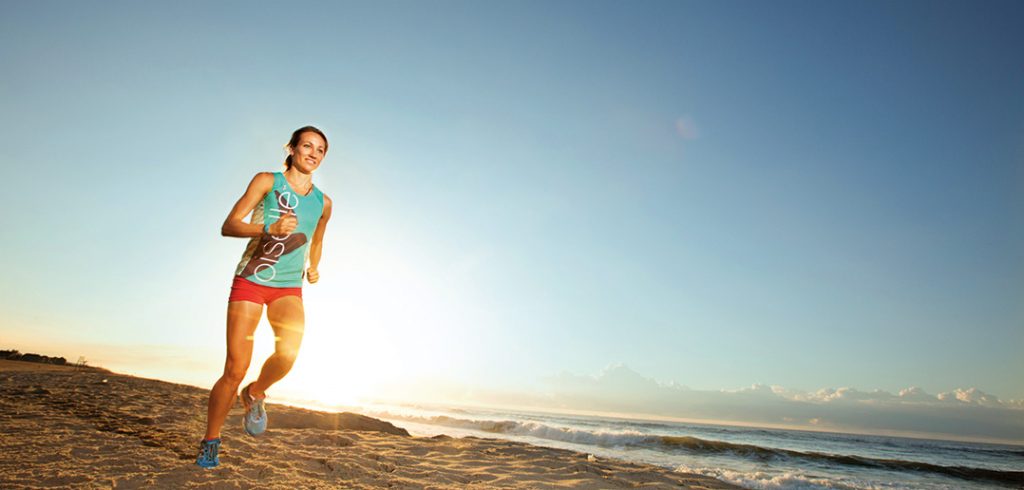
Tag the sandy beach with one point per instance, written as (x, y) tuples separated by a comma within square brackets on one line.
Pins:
[(67, 427)]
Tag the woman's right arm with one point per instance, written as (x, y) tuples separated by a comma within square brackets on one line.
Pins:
[(234, 224)]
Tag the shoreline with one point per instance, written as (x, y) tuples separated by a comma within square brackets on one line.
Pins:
[(63, 426)]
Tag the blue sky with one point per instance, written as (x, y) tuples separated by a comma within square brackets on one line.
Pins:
[(719, 194)]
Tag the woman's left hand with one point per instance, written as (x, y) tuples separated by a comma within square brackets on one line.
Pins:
[(312, 275)]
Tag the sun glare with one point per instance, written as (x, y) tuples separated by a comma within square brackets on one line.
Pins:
[(379, 322)]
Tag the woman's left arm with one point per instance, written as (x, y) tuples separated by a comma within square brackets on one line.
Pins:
[(317, 246)]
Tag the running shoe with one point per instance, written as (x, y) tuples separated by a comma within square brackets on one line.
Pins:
[(208, 453), (255, 420)]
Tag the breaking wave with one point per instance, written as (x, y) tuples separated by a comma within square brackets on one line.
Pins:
[(698, 446)]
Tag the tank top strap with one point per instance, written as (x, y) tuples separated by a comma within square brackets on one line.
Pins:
[(318, 194)]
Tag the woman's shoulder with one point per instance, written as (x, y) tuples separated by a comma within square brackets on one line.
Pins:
[(325, 210), (263, 181), (265, 177)]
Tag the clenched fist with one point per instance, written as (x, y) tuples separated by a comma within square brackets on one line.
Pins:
[(312, 275), (284, 226)]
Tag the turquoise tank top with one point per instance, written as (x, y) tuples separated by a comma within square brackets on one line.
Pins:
[(280, 261)]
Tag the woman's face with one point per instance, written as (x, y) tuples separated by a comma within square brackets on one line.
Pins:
[(308, 152)]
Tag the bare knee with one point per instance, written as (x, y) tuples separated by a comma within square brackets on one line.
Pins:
[(287, 357), (234, 373)]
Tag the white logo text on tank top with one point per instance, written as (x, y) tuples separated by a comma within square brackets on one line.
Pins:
[(287, 203)]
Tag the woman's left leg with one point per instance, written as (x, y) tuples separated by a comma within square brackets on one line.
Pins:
[(288, 319)]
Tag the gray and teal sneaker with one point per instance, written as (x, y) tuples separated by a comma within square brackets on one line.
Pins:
[(208, 453), (255, 419)]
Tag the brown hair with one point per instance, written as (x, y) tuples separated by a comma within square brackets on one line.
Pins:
[(295, 140)]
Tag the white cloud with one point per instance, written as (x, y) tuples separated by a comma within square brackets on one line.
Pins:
[(973, 396), (754, 388), (914, 394)]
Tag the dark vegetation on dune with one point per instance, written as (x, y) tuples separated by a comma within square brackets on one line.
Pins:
[(13, 355)]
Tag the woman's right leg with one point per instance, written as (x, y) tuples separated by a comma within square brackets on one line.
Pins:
[(243, 317)]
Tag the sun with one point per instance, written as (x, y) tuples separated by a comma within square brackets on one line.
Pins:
[(381, 323)]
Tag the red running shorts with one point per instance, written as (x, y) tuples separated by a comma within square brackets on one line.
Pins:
[(246, 290)]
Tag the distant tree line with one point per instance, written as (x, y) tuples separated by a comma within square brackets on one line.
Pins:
[(13, 355)]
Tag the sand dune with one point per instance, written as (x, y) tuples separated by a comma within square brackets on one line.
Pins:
[(66, 427)]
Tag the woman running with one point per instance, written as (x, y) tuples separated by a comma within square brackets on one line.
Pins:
[(286, 228)]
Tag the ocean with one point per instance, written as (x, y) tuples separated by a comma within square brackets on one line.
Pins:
[(753, 458)]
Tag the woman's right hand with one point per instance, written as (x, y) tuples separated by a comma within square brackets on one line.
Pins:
[(284, 226)]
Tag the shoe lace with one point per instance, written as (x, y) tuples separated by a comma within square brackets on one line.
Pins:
[(257, 411), (209, 450)]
